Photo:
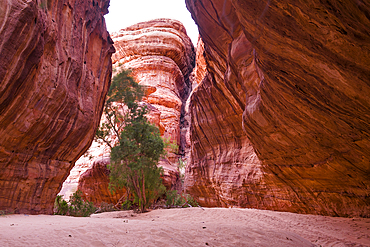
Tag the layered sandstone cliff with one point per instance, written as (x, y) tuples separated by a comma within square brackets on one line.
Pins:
[(55, 70), (281, 118), (161, 57)]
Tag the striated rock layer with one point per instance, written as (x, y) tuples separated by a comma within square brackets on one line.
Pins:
[(55, 70), (161, 57), (281, 119)]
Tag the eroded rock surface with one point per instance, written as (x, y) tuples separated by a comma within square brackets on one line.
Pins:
[(161, 56), (55, 70), (281, 119)]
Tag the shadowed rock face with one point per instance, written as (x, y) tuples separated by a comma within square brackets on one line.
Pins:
[(55, 70), (289, 80)]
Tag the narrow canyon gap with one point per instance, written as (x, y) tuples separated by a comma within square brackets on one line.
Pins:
[(279, 110)]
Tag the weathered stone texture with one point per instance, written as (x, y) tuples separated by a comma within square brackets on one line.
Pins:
[(294, 76), (55, 70)]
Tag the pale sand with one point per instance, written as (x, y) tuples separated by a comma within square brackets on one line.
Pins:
[(185, 227)]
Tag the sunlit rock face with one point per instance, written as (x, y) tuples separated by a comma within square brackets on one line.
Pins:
[(55, 70), (161, 57), (293, 79)]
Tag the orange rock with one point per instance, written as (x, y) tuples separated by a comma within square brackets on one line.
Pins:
[(281, 119), (55, 70)]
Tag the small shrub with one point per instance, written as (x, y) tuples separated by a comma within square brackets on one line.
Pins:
[(76, 206), (61, 207), (79, 207), (172, 198), (191, 201), (127, 205), (6, 212), (106, 207), (179, 200)]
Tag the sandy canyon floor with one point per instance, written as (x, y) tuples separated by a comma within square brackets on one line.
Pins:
[(185, 227)]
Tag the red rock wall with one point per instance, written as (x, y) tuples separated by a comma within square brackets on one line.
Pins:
[(289, 80), (55, 70)]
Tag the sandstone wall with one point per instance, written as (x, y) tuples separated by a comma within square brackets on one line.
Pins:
[(281, 119), (161, 56), (55, 70)]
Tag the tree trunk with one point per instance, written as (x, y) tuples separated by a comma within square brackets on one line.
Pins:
[(143, 184)]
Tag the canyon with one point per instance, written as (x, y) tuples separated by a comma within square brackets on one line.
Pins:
[(55, 71), (270, 111), (161, 57)]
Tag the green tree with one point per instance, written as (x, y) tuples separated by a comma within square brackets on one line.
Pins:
[(135, 154), (123, 95), (134, 161)]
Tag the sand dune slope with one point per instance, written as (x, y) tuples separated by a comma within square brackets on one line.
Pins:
[(185, 227)]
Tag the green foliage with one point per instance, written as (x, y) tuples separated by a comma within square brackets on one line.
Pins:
[(121, 98), (61, 206), (170, 146), (125, 90), (179, 200), (191, 201), (173, 199), (106, 207), (134, 160), (79, 207), (6, 212), (137, 146), (126, 205), (182, 164), (76, 206)]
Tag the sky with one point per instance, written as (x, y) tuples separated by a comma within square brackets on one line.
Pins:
[(124, 13)]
